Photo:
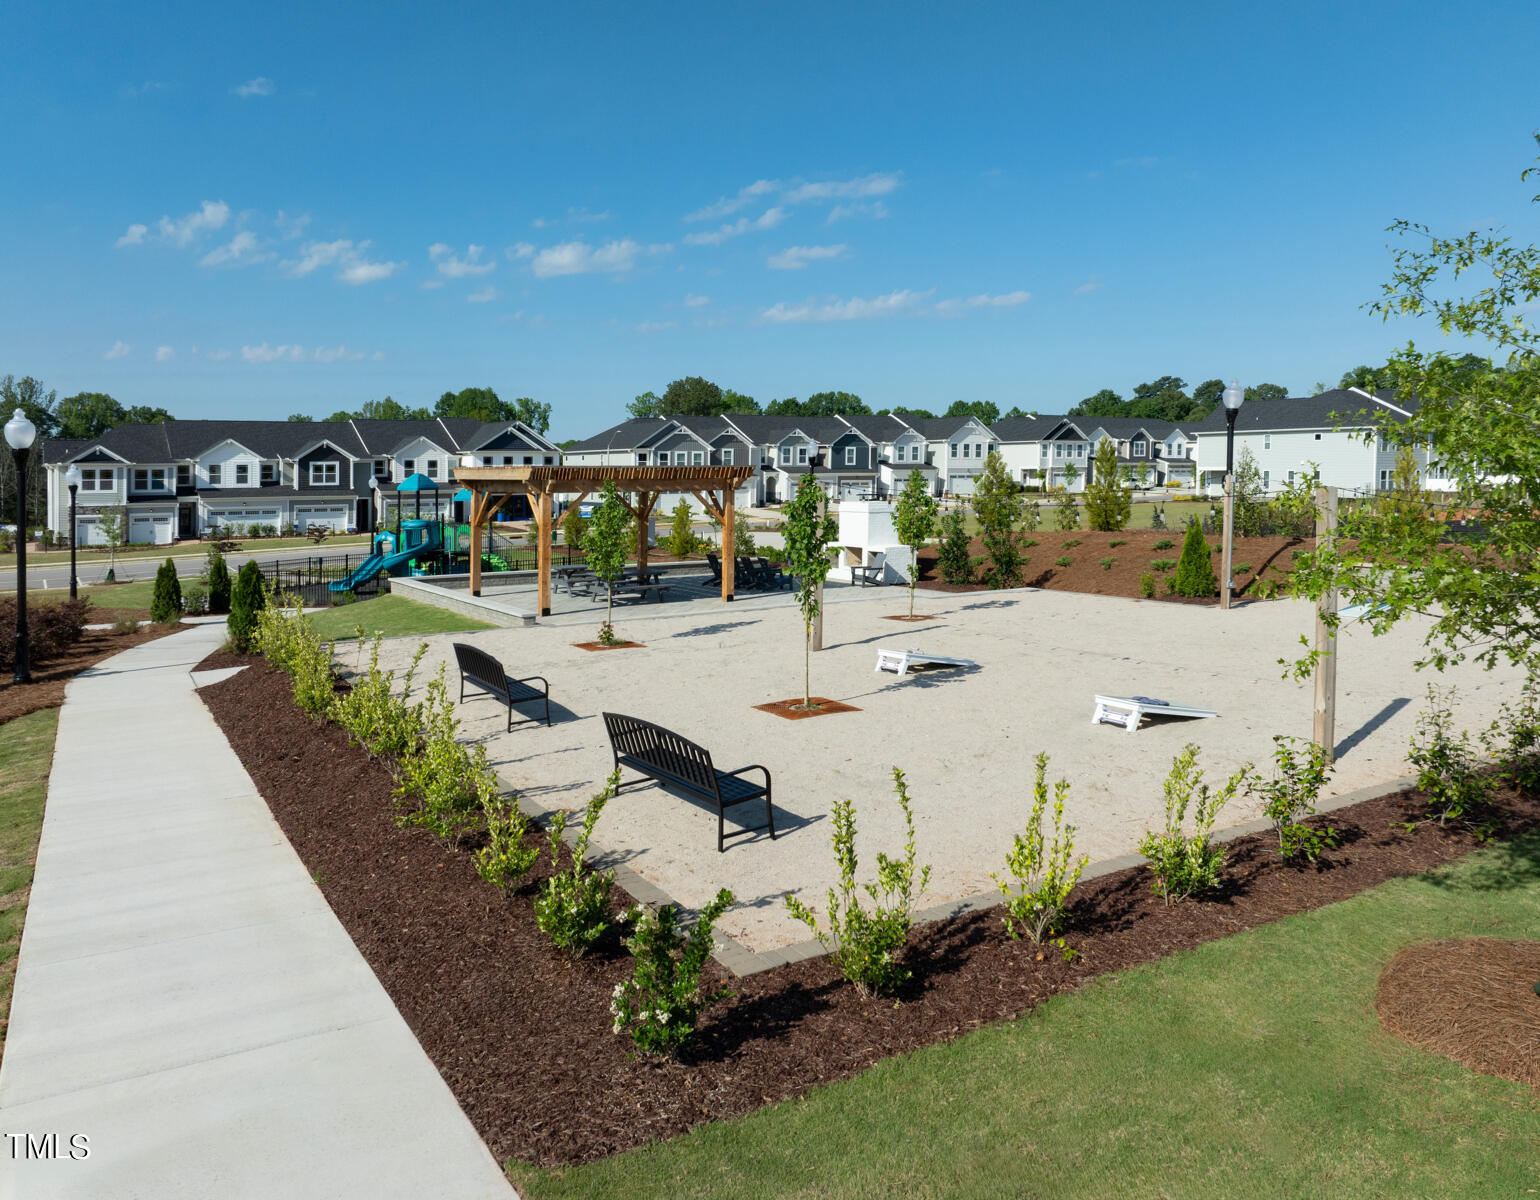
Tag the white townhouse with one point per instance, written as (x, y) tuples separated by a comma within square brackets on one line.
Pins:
[(956, 447), (671, 442), (901, 451), (1039, 451), (180, 479), (1291, 439)]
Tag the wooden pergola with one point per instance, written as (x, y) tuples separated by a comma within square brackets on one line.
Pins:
[(639, 488)]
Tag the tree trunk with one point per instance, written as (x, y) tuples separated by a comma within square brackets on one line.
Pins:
[(807, 670), (914, 569)]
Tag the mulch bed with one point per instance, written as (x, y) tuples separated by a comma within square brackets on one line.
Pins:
[(523, 1035), (1469, 999), (907, 617), (49, 677), (793, 710), (611, 646), (1269, 558)]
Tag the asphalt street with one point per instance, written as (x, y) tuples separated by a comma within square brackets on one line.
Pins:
[(189, 564)]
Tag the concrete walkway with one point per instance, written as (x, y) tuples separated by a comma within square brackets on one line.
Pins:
[(185, 999)]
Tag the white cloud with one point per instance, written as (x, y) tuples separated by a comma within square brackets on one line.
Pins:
[(983, 300), (520, 250), (539, 223), (240, 251), (260, 86), (728, 205), (348, 258), (483, 295), (794, 258), (291, 227), (656, 326), (453, 267), (854, 309), (133, 236), (184, 230), (431, 285), (582, 214), (1092, 284), (217, 355), (579, 258), (333, 354), (876, 210), (769, 220), (297, 354), (164, 354), (145, 88), (848, 189), (119, 350), (693, 301), (799, 191)]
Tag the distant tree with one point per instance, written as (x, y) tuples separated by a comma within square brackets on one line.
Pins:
[(1371, 379), (112, 526), (986, 411), (788, 407), (87, 415), (1108, 500), (737, 402), (300, 417), (833, 404), (605, 547), (648, 404), (568, 444), (1205, 398), (1018, 411), (681, 533), (32, 398), (693, 396), (1266, 391), (246, 600), (473, 403), (914, 520), (574, 526), (1159, 387), (531, 412), (1247, 498), (383, 410), (1105, 403), (1068, 512), (146, 414), (808, 532), (997, 504), (902, 411)]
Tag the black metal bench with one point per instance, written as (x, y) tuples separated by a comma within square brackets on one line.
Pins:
[(481, 670), (673, 761)]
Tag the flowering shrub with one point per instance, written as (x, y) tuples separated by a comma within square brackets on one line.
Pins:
[(1291, 796), (508, 855), (375, 717), (572, 908), (663, 999), (1043, 871), (439, 784), (1183, 865), (1447, 767), (866, 945)]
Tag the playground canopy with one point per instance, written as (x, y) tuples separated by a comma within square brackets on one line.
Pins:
[(418, 483), (639, 488)]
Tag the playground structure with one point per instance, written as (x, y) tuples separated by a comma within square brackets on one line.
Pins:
[(419, 547)]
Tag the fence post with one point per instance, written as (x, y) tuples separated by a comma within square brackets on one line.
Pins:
[(1324, 732)]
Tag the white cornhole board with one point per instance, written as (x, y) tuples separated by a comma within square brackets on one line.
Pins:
[(899, 661), (1128, 710)]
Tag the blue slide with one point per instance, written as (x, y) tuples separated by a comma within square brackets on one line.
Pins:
[(375, 563)]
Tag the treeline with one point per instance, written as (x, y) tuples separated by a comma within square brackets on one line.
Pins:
[(475, 403), (693, 396)]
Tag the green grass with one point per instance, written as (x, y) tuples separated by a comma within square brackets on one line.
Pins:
[(97, 557), (134, 596), (1253, 1066), (391, 616), (26, 754)]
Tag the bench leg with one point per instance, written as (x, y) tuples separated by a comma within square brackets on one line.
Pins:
[(721, 847), (769, 815)]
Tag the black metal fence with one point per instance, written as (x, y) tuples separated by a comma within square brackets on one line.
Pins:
[(311, 577)]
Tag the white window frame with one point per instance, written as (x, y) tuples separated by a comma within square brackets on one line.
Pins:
[(801, 456), (183, 474), (697, 458), (727, 456), (149, 474), (665, 458), (954, 451), (1138, 448), (548, 460), (786, 456), (641, 458), (850, 456), (1267, 441), (216, 475), (242, 474), (433, 471), (320, 470), (408, 467), (267, 474), (507, 460), (486, 460), (382, 468)]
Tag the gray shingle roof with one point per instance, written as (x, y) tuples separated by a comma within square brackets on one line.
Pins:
[(938, 429), (1298, 412), (1024, 429), (880, 429), (626, 436), (1127, 427)]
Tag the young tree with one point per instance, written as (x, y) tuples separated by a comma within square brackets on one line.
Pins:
[(605, 547), (681, 532), (953, 560), (216, 577), (574, 526), (1108, 500), (997, 504), (1068, 513), (914, 520), (247, 599), (1247, 497), (113, 526), (808, 534), (166, 599), (1195, 569)]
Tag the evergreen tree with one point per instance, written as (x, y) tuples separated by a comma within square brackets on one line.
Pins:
[(1108, 500), (954, 561), (997, 503), (217, 580), (166, 600), (246, 600), (1195, 569), (681, 534), (574, 527)]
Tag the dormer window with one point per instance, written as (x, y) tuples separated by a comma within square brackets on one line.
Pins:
[(381, 468), (269, 474), (242, 474), (323, 474), (216, 475), (801, 455), (850, 456), (786, 456), (183, 475)]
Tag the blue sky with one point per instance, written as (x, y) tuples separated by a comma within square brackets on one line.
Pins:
[(248, 212)]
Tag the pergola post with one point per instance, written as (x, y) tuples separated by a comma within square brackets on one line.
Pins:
[(644, 503), (729, 562), (478, 514), (542, 509)]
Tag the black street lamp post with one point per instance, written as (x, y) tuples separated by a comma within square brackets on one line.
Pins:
[(72, 481), (19, 436), (1232, 398)]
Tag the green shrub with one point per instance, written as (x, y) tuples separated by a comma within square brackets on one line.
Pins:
[(509, 854), (1513, 740), (1447, 767), (1184, 866), (1164, 544), (662, 1001), (1162, 564), (574, 526), (1064, 560), (681, 536), (247, 599), (1043, 870), (375, 717), (216, 577), (1108, 563), (439, 784), (1072, 543), (867, 946), (166, 600), (954, 561), (1116, 542), (1195, 572), (572, 908), (1147, 585), (1239, 568), (1291, 795)]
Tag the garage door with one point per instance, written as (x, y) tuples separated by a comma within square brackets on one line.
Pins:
[(155, 530), (334, 518), (243, 516), (854, 491), (89, 532), (960, 485)]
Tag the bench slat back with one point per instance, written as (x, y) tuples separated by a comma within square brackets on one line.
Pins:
[(480, 665), (663, 749)]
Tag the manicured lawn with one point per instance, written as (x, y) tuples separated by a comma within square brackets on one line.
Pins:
[(26, 754), (1253, 1066), (99, 558), (391, 616), (119, 598)]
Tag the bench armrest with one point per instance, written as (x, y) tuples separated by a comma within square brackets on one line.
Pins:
[(531, 679), (751, 767)]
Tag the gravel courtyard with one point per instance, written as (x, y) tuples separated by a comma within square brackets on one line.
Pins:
[(964, 738)]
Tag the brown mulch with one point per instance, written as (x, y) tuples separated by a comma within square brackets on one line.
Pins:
[(611, 646), (907, 617), (1469, 999), (49, 677), (794, 710), (1268, 558), (523, 1035)]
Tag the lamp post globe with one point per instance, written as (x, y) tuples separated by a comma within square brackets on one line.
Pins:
[(20, 433), (72, 481), (1232, 398)]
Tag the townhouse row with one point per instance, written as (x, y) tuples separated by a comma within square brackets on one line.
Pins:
[(183, 478)]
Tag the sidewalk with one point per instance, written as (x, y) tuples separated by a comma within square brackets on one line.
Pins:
[(185, 998)]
